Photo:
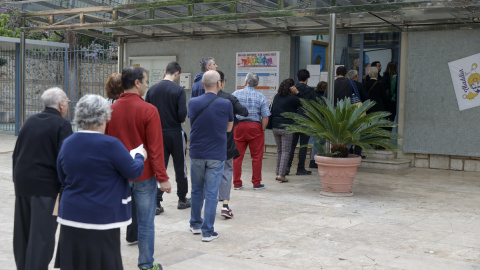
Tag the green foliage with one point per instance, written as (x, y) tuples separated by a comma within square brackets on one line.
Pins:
[(3, 61), (343, 125)]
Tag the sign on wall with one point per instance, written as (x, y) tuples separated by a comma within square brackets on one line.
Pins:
[(154, 65), (265, 65), (465, 74)]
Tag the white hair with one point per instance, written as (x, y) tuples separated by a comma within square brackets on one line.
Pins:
[(52, 97), (92, 110), (373, 72)]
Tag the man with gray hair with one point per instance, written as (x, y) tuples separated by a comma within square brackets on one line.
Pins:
[(352, 75), (250, 131), (36, 181), (211, 118), (207, 63)]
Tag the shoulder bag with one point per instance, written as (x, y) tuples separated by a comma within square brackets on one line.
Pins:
[(208, 104)]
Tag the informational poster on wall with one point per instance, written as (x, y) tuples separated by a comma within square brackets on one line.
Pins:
[(466, 81), (265, 65), (154, 65)]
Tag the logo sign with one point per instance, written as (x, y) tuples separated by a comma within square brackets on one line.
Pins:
[(466, 81)]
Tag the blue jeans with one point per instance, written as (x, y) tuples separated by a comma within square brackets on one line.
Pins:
[(145, 196), (205, 175)]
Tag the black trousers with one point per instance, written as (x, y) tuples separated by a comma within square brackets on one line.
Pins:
[(34, 230), (132, 229), (175, 144), (302, 154)]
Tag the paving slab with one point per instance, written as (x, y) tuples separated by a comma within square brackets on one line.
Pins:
[(409, 219)]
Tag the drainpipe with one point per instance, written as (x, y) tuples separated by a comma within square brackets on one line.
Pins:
[(120, 54)]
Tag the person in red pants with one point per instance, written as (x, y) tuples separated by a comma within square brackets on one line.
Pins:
[(250, 131)]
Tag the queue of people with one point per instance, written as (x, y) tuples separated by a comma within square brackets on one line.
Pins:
[(112, 173)]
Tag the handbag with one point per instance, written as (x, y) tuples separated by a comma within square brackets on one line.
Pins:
[(355, 97), (270, 120)]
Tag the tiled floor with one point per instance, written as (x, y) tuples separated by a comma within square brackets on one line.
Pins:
[(412, 219)]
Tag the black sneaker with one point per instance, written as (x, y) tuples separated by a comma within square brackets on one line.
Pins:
[(159, 209), (259, 187), (184, 205), (303, 172), (313, 165)]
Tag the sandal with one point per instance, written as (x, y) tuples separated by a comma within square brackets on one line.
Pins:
[(283, 179), (278, 178)]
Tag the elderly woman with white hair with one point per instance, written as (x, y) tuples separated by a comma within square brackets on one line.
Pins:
[(94, 170), (377, 92)]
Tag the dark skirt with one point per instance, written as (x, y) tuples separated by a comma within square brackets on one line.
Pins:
[(83, 249)]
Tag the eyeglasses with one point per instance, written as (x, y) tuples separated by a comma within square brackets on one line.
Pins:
[(224, 80)]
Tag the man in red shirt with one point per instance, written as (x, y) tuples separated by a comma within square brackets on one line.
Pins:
[(135, 122)]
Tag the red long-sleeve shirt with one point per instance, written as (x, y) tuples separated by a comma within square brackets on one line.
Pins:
[(134, 122)]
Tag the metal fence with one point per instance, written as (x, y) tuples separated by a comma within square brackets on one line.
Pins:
[(79, 71)]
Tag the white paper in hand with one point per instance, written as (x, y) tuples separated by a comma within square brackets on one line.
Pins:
[(137, 150)]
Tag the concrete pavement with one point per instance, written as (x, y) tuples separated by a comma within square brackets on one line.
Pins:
[(412, 219)]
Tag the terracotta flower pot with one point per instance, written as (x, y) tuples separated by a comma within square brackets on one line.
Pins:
[(337, 174)]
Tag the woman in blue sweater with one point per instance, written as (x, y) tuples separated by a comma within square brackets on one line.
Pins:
[(94, 170)]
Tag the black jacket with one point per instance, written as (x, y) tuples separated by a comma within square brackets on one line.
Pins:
[(342, 89), (305, 92), (171, 103), (232, 151), (281, 104), (36, 151), (378, 93)]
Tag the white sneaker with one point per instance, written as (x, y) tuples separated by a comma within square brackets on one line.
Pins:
[(195, 231), (210, 238)]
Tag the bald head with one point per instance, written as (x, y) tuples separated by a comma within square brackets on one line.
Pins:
[(211, 81)]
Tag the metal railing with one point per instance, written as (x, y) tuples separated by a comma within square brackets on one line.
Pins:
[(79, 71)]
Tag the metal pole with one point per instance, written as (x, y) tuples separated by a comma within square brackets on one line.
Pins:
[(22, 76), (17, 88), (297, 58), (360, 60), (331, 56)]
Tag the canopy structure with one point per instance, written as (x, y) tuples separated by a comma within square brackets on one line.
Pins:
[(136, 20)]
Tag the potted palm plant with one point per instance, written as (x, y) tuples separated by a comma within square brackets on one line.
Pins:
[(341, 126)]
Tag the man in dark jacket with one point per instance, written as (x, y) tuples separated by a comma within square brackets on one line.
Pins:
[(342, 86), (232, 151), (305, 92), (207, 63), (36, 181), (171, 103)]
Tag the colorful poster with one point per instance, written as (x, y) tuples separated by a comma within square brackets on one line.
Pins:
[(465, 74), (265, 65)]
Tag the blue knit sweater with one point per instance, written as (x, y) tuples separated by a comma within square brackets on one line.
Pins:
[(94, 169)]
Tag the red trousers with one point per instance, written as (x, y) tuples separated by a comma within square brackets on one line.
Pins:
[(248, 134)]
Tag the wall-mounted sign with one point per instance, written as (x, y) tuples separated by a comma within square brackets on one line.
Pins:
[(265, 65), (466, 81)]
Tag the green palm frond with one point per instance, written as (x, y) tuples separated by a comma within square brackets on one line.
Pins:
[(344, 124)]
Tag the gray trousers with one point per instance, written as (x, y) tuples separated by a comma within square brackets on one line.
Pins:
[(226, 183), (283, 139)]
